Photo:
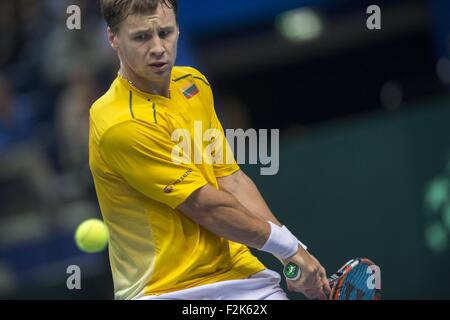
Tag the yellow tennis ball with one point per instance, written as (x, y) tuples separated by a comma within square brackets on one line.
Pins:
[(92, 236)]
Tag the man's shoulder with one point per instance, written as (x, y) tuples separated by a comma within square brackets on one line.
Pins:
[(186, 72), (109, 109), (112, 96)]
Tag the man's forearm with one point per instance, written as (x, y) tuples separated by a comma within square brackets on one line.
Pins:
[(246, 192), (222, 214)]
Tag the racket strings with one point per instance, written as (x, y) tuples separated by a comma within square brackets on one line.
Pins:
[(355, 284)]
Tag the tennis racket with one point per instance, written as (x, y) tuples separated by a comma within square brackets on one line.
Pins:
[(356, 280)]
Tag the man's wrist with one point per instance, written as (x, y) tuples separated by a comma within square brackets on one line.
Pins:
[(281, 242)]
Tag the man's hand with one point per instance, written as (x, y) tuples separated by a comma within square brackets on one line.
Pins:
[(313, 282)]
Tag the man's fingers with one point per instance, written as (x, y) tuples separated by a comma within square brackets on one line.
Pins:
[(325, 284), (313, 283), (308, 296), (311, 294), (315, 294), (322, 296), (315, 291)]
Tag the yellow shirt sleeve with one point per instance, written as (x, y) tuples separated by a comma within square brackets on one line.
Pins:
[(141, 154), (220, 169), (223, 169)]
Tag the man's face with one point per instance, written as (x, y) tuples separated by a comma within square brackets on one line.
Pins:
[(147, 44)]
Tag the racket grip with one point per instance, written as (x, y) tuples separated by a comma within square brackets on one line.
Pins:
[(292, 271)]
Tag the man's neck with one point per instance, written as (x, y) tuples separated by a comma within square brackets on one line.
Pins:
[(157, 88)]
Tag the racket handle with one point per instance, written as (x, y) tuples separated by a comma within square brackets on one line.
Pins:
[(292, 271)]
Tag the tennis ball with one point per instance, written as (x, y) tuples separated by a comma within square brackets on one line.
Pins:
[(92, 236)]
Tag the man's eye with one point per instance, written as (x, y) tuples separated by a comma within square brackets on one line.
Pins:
[(164, 34), (141, 37)]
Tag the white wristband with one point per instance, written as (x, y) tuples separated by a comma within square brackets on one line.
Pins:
[(302, 245), (298, 241), (281, 243)]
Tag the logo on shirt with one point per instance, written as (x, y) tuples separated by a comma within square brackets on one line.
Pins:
[(190, 90), (169, 188)]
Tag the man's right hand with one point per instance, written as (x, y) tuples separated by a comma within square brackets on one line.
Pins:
[(313, 281)]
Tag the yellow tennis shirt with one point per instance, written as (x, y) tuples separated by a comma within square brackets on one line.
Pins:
[(153, 247)]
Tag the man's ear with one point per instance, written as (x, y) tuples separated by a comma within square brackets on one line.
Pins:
[(112, 38)]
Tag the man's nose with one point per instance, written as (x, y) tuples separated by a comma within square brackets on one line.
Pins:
[(157, 47)]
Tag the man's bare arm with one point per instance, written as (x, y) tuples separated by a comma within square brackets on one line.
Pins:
[(246, 192), (221, 213)]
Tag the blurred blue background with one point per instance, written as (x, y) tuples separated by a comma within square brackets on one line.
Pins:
[(364, 118)]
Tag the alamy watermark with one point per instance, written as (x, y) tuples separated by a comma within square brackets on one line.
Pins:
[(374, 280), (73, 282), (373, 22), (211, 147), (73, 21)]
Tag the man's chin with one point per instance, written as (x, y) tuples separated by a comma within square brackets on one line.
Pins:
[(160, 71)]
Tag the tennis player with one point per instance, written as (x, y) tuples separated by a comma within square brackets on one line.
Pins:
[(177, 230)]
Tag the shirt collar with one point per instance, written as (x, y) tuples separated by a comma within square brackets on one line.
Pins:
[(148, 96)]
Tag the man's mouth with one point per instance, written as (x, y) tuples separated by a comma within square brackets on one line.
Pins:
[(158, 65)]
